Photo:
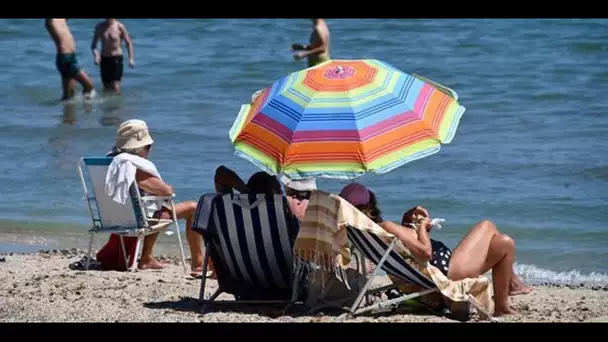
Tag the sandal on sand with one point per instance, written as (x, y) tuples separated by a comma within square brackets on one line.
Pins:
[(80, 265), (198, 273)]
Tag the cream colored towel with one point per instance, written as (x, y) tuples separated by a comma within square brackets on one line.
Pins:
[(322, 238)]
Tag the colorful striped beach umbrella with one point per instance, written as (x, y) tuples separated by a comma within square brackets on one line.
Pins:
[(343, 118)]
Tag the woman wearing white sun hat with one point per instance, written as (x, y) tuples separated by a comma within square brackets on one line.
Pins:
[(133, 137)]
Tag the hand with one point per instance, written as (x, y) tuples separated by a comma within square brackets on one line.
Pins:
[(295, 47), (425, 223), (298, 55), (97, 60), (131, 63), (410, 215)]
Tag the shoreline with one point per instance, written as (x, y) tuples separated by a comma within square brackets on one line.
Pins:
[(39, 287), (25, 241)]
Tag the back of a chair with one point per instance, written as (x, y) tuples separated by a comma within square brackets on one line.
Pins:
[(111, 214), (252, 238), (373, 248)]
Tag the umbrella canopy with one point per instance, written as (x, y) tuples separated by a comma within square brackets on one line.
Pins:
[(343, 118)]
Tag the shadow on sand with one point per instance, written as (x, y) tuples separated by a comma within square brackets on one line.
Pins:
[(190, 304)]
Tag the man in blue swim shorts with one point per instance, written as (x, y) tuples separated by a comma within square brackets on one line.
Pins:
[(66, 62)]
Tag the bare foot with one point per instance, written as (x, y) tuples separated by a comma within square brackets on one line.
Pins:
[(517, 287), (520, 291), (151, 264), (498, 311)]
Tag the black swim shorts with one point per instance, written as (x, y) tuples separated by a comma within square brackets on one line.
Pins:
[(111, 68), (67, 65)]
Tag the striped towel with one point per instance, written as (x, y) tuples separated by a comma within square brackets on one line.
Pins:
[(322, 239)]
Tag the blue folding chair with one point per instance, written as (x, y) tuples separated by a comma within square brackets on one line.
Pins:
[(111, 217)]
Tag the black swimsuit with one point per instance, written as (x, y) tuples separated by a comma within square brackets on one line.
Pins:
[(441, 256)]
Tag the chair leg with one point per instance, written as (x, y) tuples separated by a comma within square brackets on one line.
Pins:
[(363, 291), (179, 237), (89, 250), (138, 248), (204, 302), (124, 252), (201, 294), (295, 290)]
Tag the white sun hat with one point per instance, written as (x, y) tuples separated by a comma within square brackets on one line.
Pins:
[(133, 134), (300, 185)]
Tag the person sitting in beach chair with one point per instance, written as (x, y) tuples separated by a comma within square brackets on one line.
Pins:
[(482, 249), (298, 193), (227, 181), (133, 139), (249, 236)]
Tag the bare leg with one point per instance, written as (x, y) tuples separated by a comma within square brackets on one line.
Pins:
[(116, 86), (85, 81), (482, 249), (67, 85), (147, 260), (517, 286), (186, 210), (109, 87)]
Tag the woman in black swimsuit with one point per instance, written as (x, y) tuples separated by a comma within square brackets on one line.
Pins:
[(482, 249)]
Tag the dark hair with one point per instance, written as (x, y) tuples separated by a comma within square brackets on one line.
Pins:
[(371, 209), (263, 183)]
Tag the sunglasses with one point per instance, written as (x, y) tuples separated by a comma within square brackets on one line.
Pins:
[(301, 195)]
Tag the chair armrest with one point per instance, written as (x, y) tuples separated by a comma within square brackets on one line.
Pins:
[(203, 222), (165, 198)]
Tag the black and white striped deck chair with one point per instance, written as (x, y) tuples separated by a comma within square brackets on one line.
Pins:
[(384, 256), (250, 239)]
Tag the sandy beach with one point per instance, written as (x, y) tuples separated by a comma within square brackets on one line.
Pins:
[(40, 287)]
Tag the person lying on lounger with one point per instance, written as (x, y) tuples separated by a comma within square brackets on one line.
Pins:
[(134, 138), (482, 249)]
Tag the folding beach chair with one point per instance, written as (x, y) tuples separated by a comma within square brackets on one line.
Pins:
[(383, 254), (111, 217), (249, 238)]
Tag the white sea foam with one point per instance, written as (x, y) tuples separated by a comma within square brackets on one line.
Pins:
[(535, 275)]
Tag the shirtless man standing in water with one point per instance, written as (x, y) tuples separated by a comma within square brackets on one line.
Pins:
[(112, 33), (318, 50), (66, 62)]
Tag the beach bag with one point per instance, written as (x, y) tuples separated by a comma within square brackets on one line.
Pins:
[(111, 255)]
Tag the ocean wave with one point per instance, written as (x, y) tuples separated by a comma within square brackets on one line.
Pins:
[(535, 275)]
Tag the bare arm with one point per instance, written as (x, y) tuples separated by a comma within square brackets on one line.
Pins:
[(316, 49), (298, 47), (226, 180), (152, 184), (129, 42), (419, 244), (94, 42)]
